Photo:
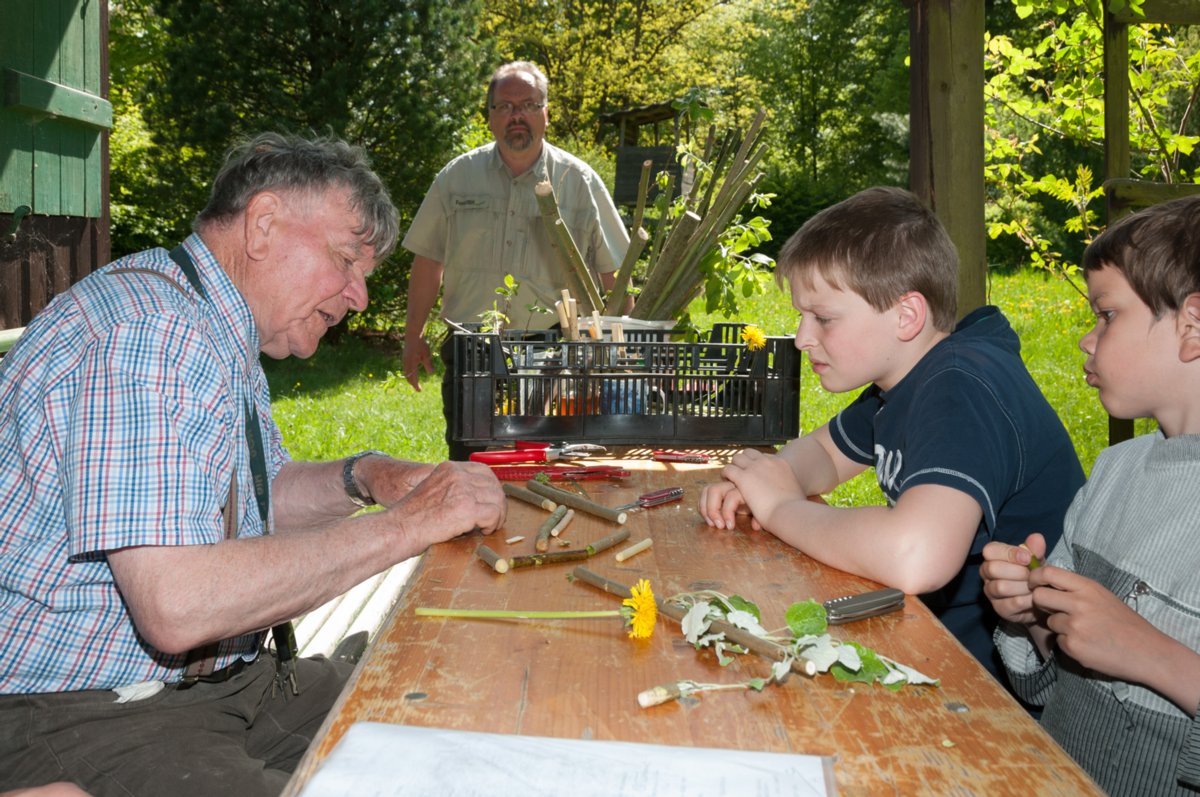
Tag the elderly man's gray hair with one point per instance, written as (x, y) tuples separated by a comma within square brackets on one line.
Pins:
[(277, 161)]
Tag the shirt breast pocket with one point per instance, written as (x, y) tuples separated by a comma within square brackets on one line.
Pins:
[(474, 230)]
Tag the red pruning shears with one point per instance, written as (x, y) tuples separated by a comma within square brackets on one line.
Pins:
[(524, 473), (678, 456), (538, 452)]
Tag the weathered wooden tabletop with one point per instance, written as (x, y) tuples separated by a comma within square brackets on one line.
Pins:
[(580, 678)]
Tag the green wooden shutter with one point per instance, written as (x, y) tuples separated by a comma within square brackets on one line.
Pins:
[(51, 117)]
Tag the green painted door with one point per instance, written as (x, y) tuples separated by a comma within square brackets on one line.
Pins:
[(52, 117)]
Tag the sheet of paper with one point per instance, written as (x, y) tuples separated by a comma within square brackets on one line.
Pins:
[(379, 760)]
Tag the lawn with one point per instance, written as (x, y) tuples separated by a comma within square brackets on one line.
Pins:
[(350, 396)]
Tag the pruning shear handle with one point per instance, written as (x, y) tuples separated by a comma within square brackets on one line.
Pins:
[(537, 452)]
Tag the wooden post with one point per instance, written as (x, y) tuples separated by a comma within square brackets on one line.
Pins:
[(946, 130), (1116, 147)]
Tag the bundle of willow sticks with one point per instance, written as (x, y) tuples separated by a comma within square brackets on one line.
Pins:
[(680, 244)]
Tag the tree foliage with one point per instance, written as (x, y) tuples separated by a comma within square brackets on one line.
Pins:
[(606, 55), (405, 78), (834, 76), (395, 76), (1045, 123)]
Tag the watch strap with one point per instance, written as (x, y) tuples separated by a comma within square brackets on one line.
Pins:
[(350, 484)]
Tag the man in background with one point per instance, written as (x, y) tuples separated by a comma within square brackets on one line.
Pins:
[(480, 221)]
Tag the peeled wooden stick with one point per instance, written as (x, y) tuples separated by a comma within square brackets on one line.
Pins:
[(561, 311), (573, 555), (634, 550), (542, 541), (521, 494), (763, 647), (577, 502), (562, 524), (494, 560)]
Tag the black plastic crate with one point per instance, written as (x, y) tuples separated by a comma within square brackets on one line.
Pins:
[(644, 390)]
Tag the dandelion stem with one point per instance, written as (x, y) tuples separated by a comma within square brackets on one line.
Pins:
[(516, 614)]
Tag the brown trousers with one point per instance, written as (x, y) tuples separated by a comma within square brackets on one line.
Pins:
[(235, 737)]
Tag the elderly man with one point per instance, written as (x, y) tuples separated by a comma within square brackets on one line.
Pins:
[(154, 525), (480, 221)]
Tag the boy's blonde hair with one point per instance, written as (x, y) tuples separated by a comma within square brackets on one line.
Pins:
[(1158, 251), (880, 243)]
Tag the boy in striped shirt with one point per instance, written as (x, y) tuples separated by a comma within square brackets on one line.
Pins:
[(1106, 635)]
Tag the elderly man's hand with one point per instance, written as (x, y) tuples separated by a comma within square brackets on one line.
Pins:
[(456, 497), (388, 480)]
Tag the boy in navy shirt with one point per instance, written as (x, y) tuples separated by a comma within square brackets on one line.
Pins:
[(965, 447)]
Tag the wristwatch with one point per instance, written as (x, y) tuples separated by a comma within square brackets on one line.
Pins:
[(351, 485)]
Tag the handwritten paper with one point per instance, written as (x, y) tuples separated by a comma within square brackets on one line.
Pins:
[(380, 760)]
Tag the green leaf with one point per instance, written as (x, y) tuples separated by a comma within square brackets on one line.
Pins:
[(872, 668), (739, 603), (806, 618)]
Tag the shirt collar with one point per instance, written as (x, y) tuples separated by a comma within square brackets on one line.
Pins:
[(539, 171), (232, 314)]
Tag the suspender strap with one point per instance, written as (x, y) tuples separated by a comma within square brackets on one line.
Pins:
[(184, 261), (201, 661)]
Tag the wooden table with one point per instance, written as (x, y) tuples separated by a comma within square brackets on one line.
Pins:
[(580, 678)]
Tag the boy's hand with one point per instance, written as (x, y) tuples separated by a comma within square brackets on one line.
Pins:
[(764, 481), (1006, 575), (719, 504), (1093, 626)]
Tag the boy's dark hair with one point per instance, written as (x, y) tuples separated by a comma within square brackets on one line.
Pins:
[(880, 243), (1158, 251)]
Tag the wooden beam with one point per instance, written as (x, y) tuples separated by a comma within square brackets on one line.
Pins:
[(1173, 12), (1125, 194), (44, 97), (946, 130)]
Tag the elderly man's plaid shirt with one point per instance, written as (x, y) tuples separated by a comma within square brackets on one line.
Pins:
[(121, 422)]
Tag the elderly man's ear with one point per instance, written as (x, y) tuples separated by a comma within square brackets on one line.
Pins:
[(262, 215), (1188, 325)]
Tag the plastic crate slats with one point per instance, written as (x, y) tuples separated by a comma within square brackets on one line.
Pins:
[(642, 390)]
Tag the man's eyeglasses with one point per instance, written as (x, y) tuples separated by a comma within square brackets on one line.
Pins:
[(509, 108)]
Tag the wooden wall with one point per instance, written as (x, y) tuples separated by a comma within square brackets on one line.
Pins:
[(54, 122)]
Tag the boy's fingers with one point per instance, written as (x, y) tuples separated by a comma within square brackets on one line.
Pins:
[(1002, 552)]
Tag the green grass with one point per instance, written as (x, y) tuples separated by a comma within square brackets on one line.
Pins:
[(350, 396)]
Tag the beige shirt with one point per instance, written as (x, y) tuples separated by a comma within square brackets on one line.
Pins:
[(481, 223)]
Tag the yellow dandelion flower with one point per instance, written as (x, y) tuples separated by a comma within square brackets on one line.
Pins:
[(642, 612), (753, 337)]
